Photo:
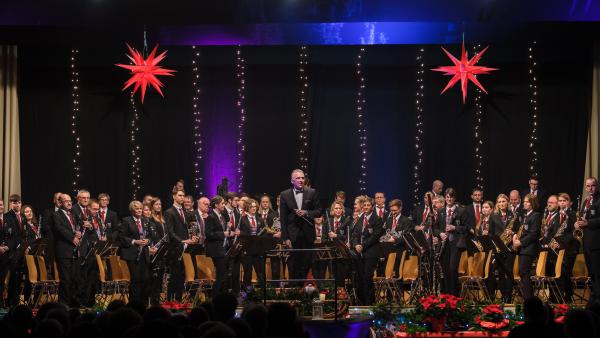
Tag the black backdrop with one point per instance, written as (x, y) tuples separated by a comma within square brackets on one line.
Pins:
[(272, 88)]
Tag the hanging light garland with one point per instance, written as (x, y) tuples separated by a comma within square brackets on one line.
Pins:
[(533, 92), (477, 132), (362, 130), (198, 180), (419, 96), (241, 146), (75, 116), (136, 177), (303, 109)]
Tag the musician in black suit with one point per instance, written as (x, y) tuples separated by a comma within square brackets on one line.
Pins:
[(365, 238), (134, 236), (567, 242), (503, 221), (534, 189), (299, 207), (67, 238), (590, 224), (395, 225), (109, 218), (252, 225), (217, 233), (528, 245), (176, 221), (199, 215), (92, 234), (453, 230), (515, 206), (271, 219), (381, 212), (551, 220), (231, 213), (340, 196), (338, 227), (422, 211), (472, 212), (80, 208), (47, 225)]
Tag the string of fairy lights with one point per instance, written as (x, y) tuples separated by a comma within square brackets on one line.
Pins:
[(477, 130), (196, 122), (303, 109), (419, 96), (360, 114), (240, 66), (533, 92), (75, 117), (136, 177)]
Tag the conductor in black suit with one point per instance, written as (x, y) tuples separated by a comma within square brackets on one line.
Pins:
[(299, 207)]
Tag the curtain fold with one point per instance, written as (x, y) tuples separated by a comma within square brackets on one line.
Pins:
[(10, 163), (593, 147)]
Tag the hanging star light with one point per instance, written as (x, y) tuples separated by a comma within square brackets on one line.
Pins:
[(144, 72), (464, 70)]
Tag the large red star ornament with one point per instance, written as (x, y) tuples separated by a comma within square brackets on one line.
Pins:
[(145, 72), (464, 70)]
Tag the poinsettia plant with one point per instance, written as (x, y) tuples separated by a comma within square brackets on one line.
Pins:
[(492, 318), (560, 310), (437, 306)]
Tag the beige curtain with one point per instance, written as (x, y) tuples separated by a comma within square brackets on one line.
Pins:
[(10, 163)]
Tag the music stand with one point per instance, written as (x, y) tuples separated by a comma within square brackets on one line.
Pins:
[(110, 248), (325, 252), (256, 245), (160, 253), (341, 250), (499, 244), (487, 243), (38, 247), (382, 249)]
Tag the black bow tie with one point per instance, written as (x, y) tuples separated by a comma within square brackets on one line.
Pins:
[(298, 191)]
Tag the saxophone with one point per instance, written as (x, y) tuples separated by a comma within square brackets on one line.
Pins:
[(476, 234), (544, 225), (505, 237), (560, 232), (578, 233)]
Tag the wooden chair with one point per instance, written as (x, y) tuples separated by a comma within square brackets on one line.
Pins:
[(50, 288), (410, 279), (108, 288), (546, 286), (581, 281), (206, 275), (384, 288), (120, 277), (36, 285), (518, 284), (473, 284)]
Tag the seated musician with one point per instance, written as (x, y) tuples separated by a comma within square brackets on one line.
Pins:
[(393, 227)]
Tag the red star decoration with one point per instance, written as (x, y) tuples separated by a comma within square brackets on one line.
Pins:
[(464, 70), (145, 72)]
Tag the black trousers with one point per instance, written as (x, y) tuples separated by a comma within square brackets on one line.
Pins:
[(565, 275), (504, 266), (221, 275), (450, 260), (275, 267), (228, 275), (525, 272), (69, 273), (4, 268), (300, 262), (140, 275), (594, 269), (90, 282), (249, 262), (366, 271), (176, 281), (17, 278), (157, 271)]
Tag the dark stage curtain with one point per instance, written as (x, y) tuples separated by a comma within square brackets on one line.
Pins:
[(271, 134)]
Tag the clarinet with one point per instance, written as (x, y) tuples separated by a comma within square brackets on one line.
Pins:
[(141, 247)]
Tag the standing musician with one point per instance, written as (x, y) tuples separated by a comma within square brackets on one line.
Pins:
[(526, 242), (271, 219), (550, 226), (252, 225), (453, 232), (199, 215), (231, 213), (218, 234), (384, 214), (393, 227), (338, 229), (92, 234), (319, 266), (299, 207), (365, 238), (589, 222), (503, 223), (177, 220), (159, 237), (568, 242), (134, 235), (109, 218), (487, 228), (67, 238), (472, 212)]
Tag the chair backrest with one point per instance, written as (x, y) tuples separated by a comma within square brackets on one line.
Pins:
[(206, 268), (478, 262), (559, 262), (389, 266), (516, 274), (463, 264), (401, 265), (101, 271), (540, 268), (115, 267), (188, 267), (124, 270), (43, 272), (31, 269), (410, 270), (579, 267), (488, 261)]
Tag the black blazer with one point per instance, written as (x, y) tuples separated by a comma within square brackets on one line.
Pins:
[(64, 234), (541, 197), (176, 227), (461, 233), (567, 240), (111, 222), (552, 228), (245, 225), (128, 231), (343, 229), (270, 219), (292, 225), (498, 225), (369, 238), (591, 233), (236, 216), (47, 223), (215, 236), (404, 224), (530, 239), (386, 213)]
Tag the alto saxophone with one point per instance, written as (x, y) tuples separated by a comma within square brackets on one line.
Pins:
[(544, 224), (505, 237), (578, 233), (476, 233), (560, 232)]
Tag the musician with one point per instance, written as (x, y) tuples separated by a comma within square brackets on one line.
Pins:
[(338, 228), (47, 224), (176, 221), (422, 211), (157, 217), (551, 224), (80, 208), (503, 221), (472, 212), (160, 237), (365, 238), (91, 235), (109, 218), (340, 196), (590, 224), (568, 242), (217, 243), (188, 203), (67, 238), (4, 252), (319, 266), (231, 212), (394, 226), (487, 228), (515, 203), (148, 198), (437, 188), (299, 207), (199, 216), (268, 216), (528, 244), (534, 189), (452, 230), (252, 225), (134, 235), (380, 206), (241, 207)]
